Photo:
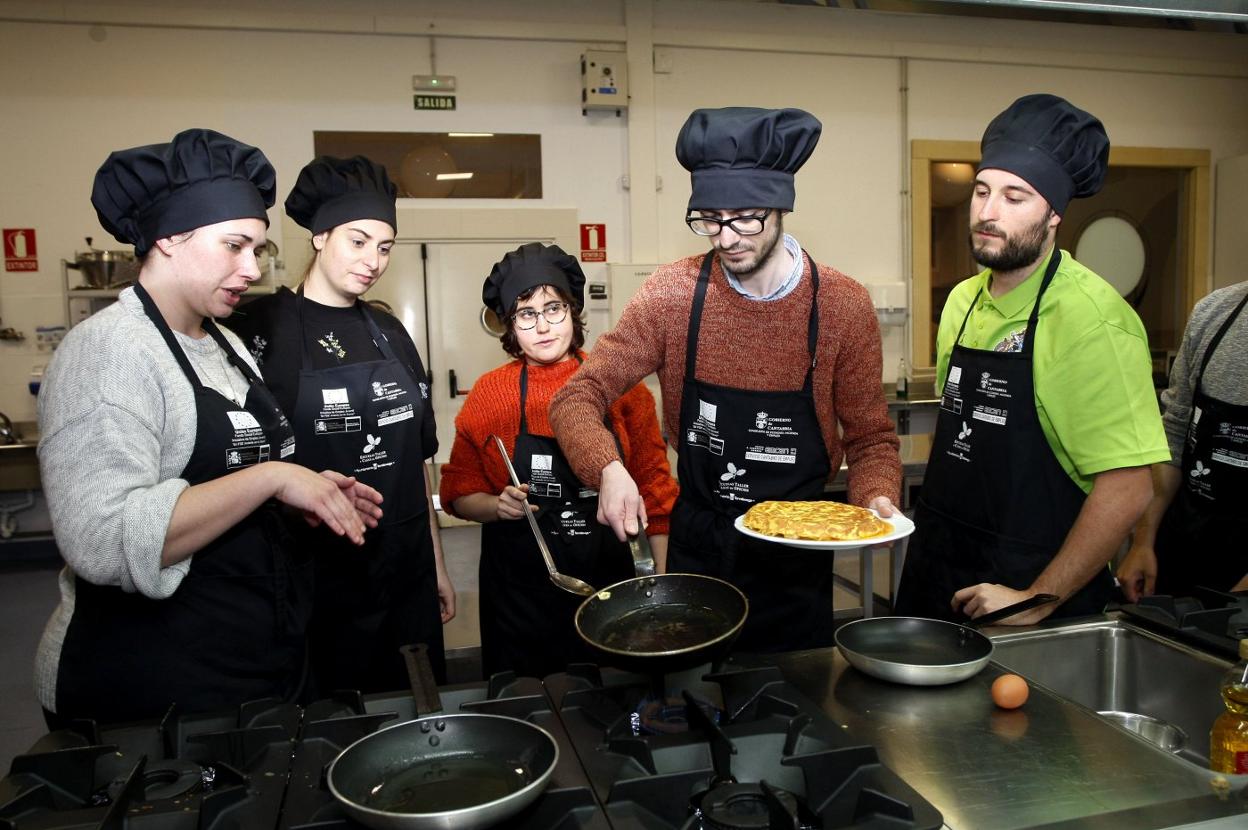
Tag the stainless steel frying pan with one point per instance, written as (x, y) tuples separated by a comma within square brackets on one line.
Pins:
[(923, 652)]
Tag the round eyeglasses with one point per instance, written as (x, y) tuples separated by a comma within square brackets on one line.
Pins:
[(526, 318), (751, 225)]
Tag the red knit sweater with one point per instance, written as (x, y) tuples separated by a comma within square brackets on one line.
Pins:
[(493, 408), (745, 344)]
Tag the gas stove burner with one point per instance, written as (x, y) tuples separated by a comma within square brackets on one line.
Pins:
[(749, 807), (169, 778), (666, 715)]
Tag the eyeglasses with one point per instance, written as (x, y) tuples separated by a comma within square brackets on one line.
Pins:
[(526, 318), (743, 225)]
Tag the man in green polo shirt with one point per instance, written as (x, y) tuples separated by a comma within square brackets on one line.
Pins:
[(1048, 420)]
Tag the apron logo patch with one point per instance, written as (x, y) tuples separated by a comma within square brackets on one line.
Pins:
[(960, 446), (707, 411), (993, 387), (733, 472), (424, 390), (696, 438), (990, 415), (243, 420), (246, 456), (955, 375), (387, 391), (541, 462), (393, 416), (772, 455), (333, 397), (258, 345), (773, 426), (370, 443)]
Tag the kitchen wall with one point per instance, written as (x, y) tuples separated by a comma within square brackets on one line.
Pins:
[(81, 80)]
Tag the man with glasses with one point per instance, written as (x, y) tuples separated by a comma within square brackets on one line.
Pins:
[(770, 368)]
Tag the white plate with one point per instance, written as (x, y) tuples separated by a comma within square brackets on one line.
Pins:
[(902, 527)]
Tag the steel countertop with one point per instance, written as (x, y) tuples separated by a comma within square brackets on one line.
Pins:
[(1050, 763)]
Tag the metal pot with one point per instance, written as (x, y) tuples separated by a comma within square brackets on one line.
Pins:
[(105, 269), (922, 652), (663, 623)]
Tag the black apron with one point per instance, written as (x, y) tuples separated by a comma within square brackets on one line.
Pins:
[(996, 504), (738, 447), (233, 631), (364, 420), (1201, 540), (526, 622)]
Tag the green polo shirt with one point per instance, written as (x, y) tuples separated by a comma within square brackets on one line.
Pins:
[(1092, 371)]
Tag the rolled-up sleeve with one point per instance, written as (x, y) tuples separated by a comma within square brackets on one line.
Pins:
[(110, 510)]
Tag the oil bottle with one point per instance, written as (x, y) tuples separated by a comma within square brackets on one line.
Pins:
[(1228, 740)]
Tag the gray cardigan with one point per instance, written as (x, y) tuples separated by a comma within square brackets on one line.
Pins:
[(1226, 377), (117, 425)]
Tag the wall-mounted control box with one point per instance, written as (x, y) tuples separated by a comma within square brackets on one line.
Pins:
[(604, 81)]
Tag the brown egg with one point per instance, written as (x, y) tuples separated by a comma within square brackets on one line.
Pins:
[(1009, 691)]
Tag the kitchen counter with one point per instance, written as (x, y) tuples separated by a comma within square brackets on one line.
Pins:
[(1051, 763), (19, 465)]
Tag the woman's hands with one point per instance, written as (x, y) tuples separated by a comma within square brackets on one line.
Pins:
[(513, 502), (345, 505)]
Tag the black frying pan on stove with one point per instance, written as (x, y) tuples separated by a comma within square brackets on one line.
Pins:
[(442, 771), (663, 623)]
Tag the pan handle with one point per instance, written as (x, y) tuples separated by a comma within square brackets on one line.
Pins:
[(420, 674), (1010, 610)]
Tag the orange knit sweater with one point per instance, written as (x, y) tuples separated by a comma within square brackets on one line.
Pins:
[(744, 344), (493, 408)]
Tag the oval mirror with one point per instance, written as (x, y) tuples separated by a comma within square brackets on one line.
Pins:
[(489, 321)]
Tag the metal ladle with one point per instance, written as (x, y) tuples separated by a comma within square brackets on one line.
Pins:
[(567, 583)]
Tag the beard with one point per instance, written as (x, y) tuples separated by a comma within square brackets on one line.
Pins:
[(1019, 250), (762, 254)]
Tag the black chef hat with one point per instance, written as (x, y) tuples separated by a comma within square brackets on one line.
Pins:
[(1057, 148), (332, 191), (199, 178), (529, 266), (744, 157)]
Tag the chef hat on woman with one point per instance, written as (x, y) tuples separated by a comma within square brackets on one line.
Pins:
[(1057, 148), (332, 191), (199, 178), (527, 267)]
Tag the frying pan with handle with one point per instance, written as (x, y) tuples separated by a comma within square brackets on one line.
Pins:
[(449, 772), (922, 652), (663, 623)]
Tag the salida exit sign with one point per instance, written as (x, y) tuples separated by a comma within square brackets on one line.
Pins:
[(434, 102)]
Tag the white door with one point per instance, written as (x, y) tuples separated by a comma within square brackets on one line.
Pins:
[(450, 278)]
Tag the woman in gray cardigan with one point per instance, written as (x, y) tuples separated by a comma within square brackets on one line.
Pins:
[(161, 456)]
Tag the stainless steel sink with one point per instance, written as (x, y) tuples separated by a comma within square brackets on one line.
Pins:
[(1118, 669)]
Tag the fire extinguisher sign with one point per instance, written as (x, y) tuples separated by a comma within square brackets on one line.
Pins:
[(593, 243), (19, 250)]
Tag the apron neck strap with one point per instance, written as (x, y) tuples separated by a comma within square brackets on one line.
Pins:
[(1217, 338), (379, 340), (695, 320), (158, 320), (1030, 336), (524, 390)]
